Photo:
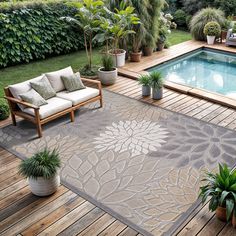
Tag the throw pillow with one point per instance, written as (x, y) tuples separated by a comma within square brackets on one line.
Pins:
[(44, 88), (73, 82), (33, 97)]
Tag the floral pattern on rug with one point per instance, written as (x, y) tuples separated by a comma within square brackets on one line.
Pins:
[(138, 137), (140, 163)]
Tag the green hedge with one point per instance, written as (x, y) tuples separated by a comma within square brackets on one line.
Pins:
[(30, 31)]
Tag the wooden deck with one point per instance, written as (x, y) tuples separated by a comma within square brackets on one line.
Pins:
[(66, 213)]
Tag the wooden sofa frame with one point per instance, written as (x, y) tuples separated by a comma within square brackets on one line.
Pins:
[(15, 110)]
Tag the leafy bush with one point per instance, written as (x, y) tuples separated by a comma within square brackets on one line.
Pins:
[(212, 29), (35, 33), (180, 18), (4, 111), (42, 164), (201, 18), (188, 20)]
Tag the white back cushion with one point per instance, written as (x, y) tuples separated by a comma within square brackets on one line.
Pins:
[(55, 78), (23, 87)]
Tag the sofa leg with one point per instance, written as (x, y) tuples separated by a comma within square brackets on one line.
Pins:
[(39, 130), (101, 102), (72, 116), (13, 118)]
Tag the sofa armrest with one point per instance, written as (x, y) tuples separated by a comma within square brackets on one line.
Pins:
[(17, 101), (98, 83)]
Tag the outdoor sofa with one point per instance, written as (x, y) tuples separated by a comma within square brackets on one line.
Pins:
[(230, 38), (62, 103)]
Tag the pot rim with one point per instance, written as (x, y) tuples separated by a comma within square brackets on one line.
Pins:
[(136, 53), (121, 53), (103, 71)]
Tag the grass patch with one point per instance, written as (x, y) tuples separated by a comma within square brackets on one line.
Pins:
[(179, 36), (20, 73)]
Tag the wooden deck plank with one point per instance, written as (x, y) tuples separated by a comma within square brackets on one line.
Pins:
[(82, 223), (39, 213), (98, 226), (47, 221)]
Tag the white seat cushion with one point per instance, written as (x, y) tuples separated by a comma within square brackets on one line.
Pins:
[(55, 78), (22, 88), (79, 96), (54, 106)]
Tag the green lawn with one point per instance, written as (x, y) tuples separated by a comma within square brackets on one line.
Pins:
[(16, 74), (179, 36)]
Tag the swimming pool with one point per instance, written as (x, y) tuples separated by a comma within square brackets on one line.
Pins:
[(205, 69)]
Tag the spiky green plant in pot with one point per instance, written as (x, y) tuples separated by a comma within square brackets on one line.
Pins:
[(220, 190), (157, 83), (42, 172)]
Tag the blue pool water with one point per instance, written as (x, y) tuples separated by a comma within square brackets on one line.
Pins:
[(205, 69)]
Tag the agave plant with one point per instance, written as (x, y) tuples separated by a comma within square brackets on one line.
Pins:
[(42, 164), (201, 18), (221, 189)]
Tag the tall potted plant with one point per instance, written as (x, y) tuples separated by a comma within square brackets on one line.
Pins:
[(145, 81), (211, 30), (42, 172), (151, 24), (107, 73), (120, 27), (220, 188), (157, 84), (136, 53), (87, 20)]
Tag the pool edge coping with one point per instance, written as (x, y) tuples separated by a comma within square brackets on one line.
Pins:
[(188, 90)]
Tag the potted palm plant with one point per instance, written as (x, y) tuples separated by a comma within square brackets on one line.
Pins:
[(108, 73), (145, 81), (157, 82), (42, 172), (135, 55), (86, 19), (120, 28), (211, 30), (220, 189)]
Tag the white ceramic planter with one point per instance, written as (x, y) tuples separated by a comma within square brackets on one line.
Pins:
[(118, 58), (210, 39), (107, 77), (44, 187)]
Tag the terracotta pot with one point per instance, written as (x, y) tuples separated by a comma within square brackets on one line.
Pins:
[(135, 56), (221, 213), (147, 51), (234, 221)]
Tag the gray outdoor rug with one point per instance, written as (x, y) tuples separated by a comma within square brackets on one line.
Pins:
[(140, 163)]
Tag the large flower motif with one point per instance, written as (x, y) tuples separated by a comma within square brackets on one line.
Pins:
[(199, 144), (138, 137)]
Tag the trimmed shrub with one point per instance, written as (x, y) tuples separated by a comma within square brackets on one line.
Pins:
[(29, 32), (212, 29), (201, 18), (4, 111), (180, 18)]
